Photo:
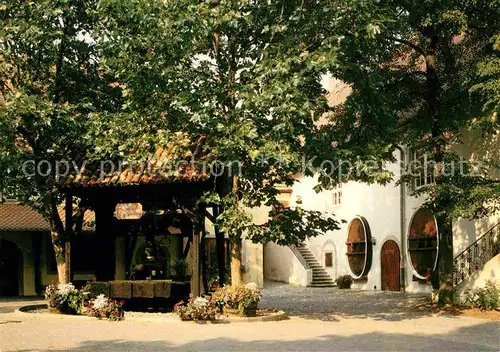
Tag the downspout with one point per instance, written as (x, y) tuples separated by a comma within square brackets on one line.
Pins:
[(402, 220)]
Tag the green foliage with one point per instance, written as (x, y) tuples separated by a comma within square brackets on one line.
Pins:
[(64, 297), (344, 281), (484, 298), (244, 74), (240, 297), (180, 267), (50, 87)]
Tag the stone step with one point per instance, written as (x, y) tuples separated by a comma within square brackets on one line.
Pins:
[(322, 285), (320, 271), (320, 274), (321, 279)]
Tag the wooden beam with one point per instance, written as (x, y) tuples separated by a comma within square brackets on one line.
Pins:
[(219, 246), (195, 262), (209, 216), (105, 269), (69, 233)]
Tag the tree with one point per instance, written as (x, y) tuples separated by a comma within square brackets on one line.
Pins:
[(412, 66), (49, 86), (243, 74)]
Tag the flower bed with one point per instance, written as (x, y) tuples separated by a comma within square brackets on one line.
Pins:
[(197, 309), (64, 298), (240, 299), (104, 308)]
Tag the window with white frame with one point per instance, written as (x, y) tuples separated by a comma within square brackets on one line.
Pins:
[(337, 194), (421, 168)]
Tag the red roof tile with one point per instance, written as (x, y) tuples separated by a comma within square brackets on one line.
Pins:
[(18, 217), (163, 167)]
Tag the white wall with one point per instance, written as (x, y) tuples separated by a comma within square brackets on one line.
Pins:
[(282, 265), (379, 205), (490, 272)]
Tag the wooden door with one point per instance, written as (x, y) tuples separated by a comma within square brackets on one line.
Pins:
[(390, 266)]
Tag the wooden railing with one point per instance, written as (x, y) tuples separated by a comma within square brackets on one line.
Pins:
[(476, 255)]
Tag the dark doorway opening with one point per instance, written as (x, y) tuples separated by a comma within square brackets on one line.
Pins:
[(11, 266)]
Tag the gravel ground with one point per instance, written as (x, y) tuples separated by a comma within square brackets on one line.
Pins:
[(322, 319), (330, 302)]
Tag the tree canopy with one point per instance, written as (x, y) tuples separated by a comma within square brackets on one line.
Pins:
[(95, 80)]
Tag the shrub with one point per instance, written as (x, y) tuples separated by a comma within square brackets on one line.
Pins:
[(344, 281), (197, 309), (64, 297), (484, 298), (104, 308), (181, 268)]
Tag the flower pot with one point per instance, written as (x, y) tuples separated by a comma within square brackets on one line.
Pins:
[(251, 310)]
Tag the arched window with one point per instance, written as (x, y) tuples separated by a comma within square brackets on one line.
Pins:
[(359, 247), (423, 242)]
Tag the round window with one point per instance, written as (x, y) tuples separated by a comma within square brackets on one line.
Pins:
[(359, 247), (423, 243)]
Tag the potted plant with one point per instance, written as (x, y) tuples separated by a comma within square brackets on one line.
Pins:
[(238, 300), (63, 298), (250, 300), (344, 281), (181, 270)]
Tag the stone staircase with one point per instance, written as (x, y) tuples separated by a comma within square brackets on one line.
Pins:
[(320, 277)]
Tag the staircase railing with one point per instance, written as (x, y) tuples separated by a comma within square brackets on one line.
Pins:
[(475, 256), (298, 255)]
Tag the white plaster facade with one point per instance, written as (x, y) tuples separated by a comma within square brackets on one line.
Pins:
[(381, 206), (388, 210)]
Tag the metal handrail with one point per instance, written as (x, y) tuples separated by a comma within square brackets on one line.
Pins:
[(475, 255), (477, 240)]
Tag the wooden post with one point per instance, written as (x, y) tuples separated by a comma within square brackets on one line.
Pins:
[(69, 233), (195, 262), (105, 270), (220, 250)]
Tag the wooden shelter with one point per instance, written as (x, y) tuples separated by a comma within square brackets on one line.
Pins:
[(168, 199)]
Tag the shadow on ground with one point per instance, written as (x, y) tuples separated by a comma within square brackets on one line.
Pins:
[(329, 304), (463, 339)]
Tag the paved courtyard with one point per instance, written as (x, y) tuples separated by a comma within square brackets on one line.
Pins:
[(322, 319)]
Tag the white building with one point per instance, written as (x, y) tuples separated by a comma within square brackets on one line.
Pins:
[(389, 242)]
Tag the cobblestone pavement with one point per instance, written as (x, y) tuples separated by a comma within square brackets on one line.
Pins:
[(321, 320)]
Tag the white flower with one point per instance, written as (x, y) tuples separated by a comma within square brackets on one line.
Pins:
[(253, 287), (100, 302), (66, 289), (200, 302)]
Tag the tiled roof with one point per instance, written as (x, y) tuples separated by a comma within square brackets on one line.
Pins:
[(163, 167), (18, 217)]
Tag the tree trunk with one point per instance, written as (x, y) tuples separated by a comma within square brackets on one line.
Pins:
[(445, 255), (62, 258), (445, 264), (236, 277)]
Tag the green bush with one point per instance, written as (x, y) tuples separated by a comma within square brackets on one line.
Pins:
[(344, 281), (64, 297), (484, 298)]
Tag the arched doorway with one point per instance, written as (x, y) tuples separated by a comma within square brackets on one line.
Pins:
[(11, 268), (390, 266)]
